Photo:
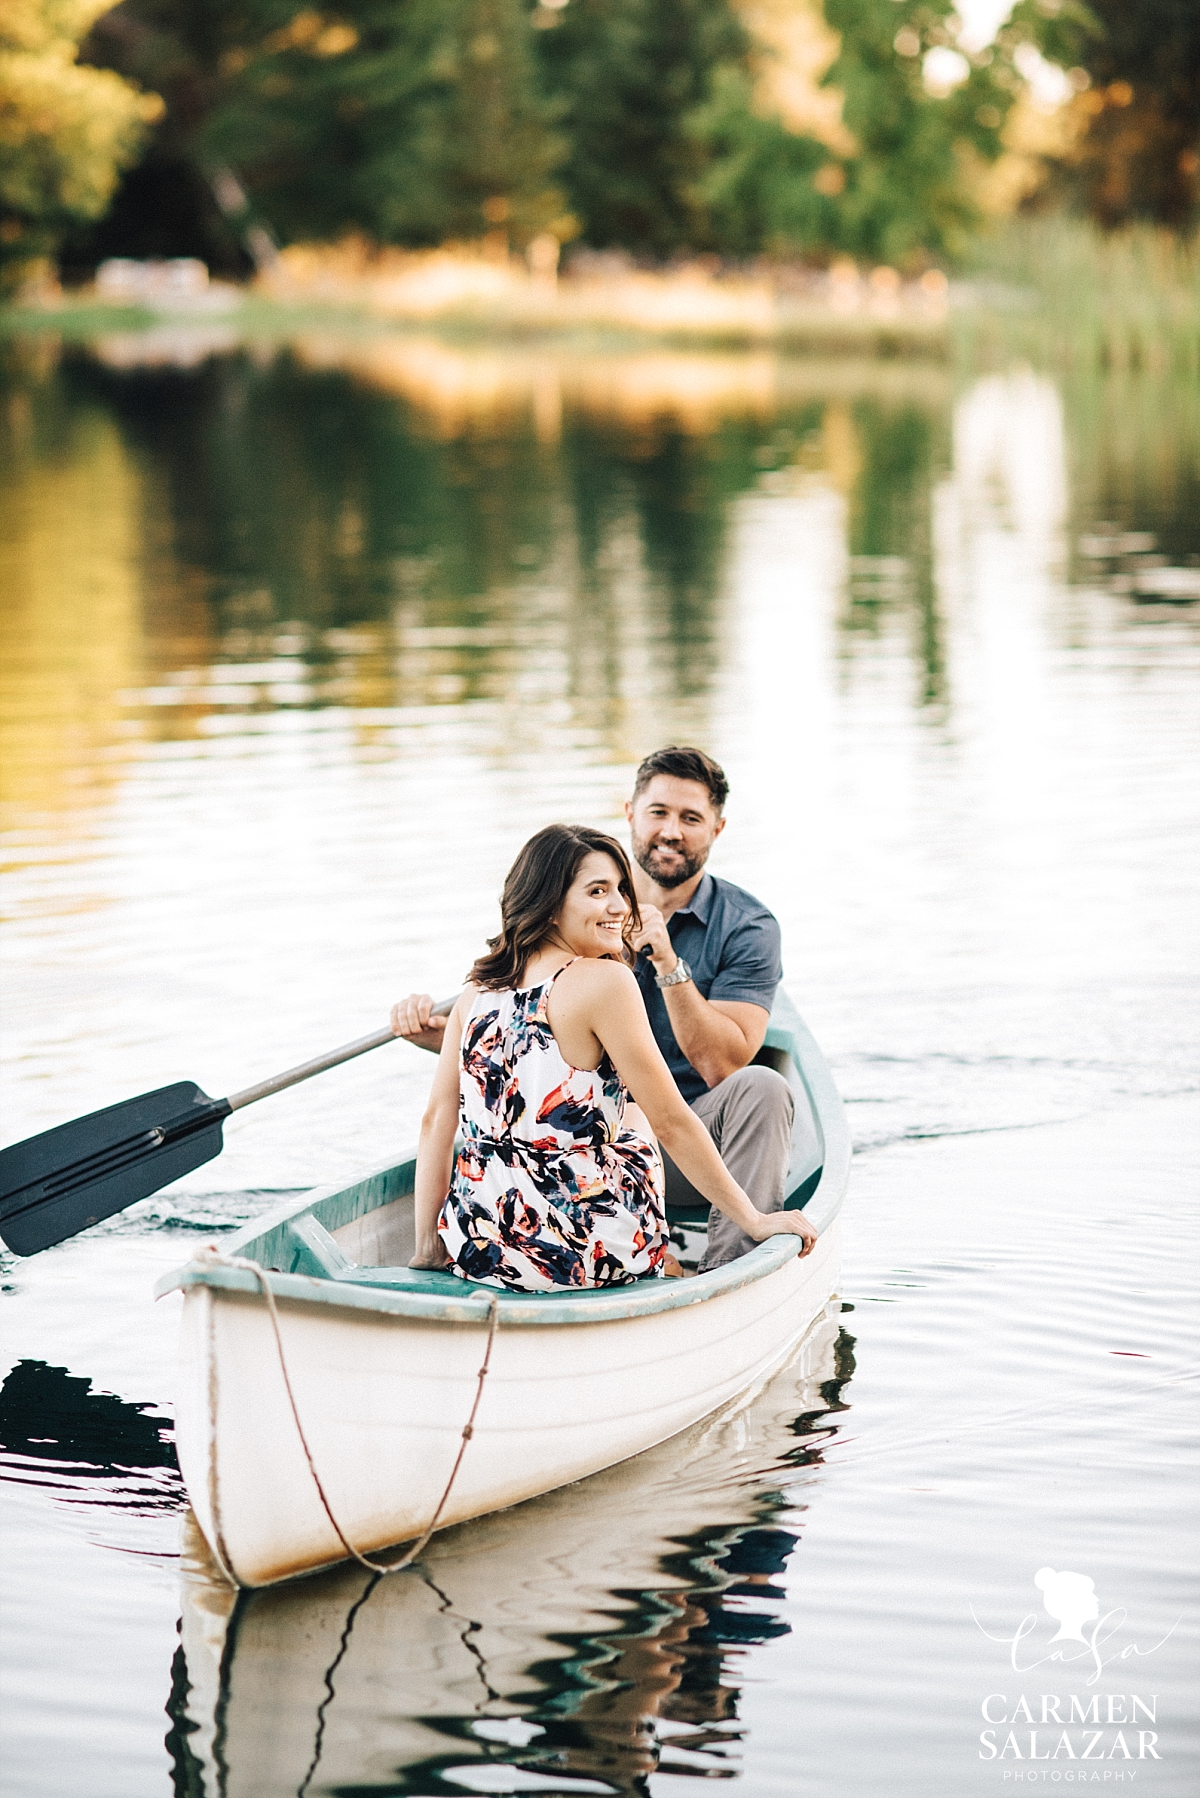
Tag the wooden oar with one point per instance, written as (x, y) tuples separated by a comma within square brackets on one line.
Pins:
[(56, 1184)]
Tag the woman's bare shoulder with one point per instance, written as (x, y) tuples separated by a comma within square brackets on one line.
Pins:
[(601, 968), (597, 977)]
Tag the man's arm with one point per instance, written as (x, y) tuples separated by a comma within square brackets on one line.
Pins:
[(603, 998), (415, 1020), (718, 1036)]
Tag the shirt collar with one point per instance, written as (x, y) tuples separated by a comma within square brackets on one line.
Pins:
[(700, 903)]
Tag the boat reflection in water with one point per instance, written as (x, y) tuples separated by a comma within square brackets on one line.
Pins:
[(577, 1642)]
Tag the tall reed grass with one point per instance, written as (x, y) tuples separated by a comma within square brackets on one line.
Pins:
[(1062, 291)]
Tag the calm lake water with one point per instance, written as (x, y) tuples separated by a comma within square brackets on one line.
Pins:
[(300, 643)]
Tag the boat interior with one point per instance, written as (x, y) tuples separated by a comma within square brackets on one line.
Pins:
[(365, 1234)]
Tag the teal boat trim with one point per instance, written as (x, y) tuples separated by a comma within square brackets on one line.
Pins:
[(295, 1245)]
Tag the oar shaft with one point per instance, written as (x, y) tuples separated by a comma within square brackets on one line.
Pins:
[(320, 1063), (307, 1069)]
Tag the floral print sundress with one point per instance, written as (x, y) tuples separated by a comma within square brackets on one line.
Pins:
[(549, 1188)]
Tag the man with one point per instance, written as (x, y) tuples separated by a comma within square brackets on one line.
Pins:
[(708, 965)]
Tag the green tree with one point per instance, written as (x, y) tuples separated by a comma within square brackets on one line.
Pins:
[(756, 192), (922, 112), (1140, 152), (411, 122), (635, 79), (499, 152), (65, 131), (670, 150), (414, 123)]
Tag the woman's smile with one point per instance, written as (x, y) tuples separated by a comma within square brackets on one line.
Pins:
[(594, 904)]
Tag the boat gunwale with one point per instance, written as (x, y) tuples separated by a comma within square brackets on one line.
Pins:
[(786, 1031), (593, 1306)]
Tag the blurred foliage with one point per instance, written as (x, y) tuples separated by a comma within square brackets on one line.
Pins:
[(636, 123), (65, 131), (924, 113), (412, 123), (763, 187), (634, 80), (1138, 155), (669, 149)]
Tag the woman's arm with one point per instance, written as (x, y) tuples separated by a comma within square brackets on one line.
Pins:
[(435, 1151), (604, 997)]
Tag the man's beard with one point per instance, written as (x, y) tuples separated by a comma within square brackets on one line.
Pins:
[(685, 869)]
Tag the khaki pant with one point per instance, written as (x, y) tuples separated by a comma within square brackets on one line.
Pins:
[(749, 1117)]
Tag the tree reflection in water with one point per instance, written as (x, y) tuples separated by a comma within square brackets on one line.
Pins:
[(890, 537), (580, 1642), (87, 1447), (411, 525)]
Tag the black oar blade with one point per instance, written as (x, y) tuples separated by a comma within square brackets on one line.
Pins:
[(56, 1184)]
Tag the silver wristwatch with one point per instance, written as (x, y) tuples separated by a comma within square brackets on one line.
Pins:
[(679, 973)]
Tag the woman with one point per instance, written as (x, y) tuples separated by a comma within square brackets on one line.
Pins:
[(559, 1182)]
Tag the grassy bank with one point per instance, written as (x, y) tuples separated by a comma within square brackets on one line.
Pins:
[(1054, 291), (697, 305)]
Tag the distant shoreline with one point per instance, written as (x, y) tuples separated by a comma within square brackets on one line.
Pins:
[(1049, 291), (699, 303), (810, 332)]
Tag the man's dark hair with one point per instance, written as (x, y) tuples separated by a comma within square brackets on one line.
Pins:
[(685, 764)]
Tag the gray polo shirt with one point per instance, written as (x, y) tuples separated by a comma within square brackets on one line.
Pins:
[(731, 942)]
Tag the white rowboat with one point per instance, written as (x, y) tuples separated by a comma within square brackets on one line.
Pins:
[(383, 1361), (579, 1609)]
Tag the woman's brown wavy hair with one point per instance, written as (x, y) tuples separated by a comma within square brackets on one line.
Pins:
[(534, 890)]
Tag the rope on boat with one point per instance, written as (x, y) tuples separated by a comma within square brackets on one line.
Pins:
[(213, 1255)]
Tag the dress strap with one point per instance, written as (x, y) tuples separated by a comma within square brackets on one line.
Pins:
[(544, 1001)]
